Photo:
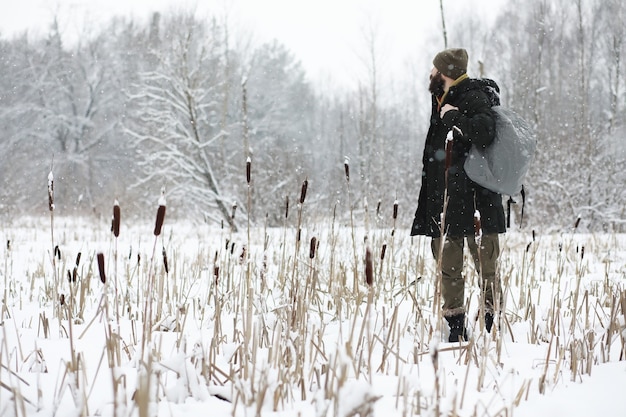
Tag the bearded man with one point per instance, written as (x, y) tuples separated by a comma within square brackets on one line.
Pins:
[(463, 105)]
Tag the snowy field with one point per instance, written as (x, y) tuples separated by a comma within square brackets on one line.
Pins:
[(200, 321)]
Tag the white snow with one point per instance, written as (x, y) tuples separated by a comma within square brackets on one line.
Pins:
[(559, 350)]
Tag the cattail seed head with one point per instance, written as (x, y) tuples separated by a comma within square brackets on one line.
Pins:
[(160, 215), (78, 258), (232, 216), (62, 299), (369, 268), (312, 247), (167, 269), (216, 273), (382, 252), (103, 277), (346, 168), (477, 225), (116, 219), (395, 209), (248, 166), (57, 252), (305, 185), (449, 141), (286, 207), (577, 223), (50, 191), (243, 254)]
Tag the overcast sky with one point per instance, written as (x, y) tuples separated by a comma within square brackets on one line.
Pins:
[(326, 35)]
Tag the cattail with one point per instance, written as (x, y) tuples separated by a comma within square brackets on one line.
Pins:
[(243, 254), (78, 259), (378, 208), (312, 247), (103, 277), (382, 252), (528, 246), (369, 268), (582, 252), (346, 167), (248, 165), (477, 226), (51, 191), (74, 274), (395, 209), (160, 216), (577, 223), (299, 235), (62, 299), (305, 184), (9, 244), (57, 252), (167, 270), (449, 141), (286, 207), (533, 235), (115, 227), (234, 210), (69, 276)]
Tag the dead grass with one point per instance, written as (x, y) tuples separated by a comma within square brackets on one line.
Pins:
[(264, 322)]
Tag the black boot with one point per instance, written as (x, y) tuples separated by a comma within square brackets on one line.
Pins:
[(458, 333)]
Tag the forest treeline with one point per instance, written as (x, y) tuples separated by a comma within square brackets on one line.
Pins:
[(180, 104)]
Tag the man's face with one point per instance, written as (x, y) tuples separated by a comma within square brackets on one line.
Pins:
[(436, 83)]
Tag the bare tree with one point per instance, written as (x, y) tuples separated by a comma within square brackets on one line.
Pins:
[(177, 125)]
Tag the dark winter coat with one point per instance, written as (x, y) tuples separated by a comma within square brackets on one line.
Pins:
[(476, 121)]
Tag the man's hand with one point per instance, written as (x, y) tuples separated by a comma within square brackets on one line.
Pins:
[(446, 108)]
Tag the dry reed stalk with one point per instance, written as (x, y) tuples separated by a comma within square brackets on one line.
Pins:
[(248, 282), (622, 302), (355, 282), (434, 356), (148, 298), (388, 341), (55, 282), (394, 218), (282, 266)]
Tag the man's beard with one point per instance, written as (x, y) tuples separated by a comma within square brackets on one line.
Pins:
[(436, 86)]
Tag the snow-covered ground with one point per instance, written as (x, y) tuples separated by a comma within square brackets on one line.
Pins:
[(256, 324)]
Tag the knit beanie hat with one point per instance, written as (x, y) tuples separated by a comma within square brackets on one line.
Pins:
[(451, 62)]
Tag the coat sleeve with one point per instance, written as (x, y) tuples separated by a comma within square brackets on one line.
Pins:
[(475, 119)]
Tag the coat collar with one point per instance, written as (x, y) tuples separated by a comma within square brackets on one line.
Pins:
[(441, 99)]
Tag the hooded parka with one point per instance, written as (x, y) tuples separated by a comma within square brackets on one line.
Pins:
[(475, 119)]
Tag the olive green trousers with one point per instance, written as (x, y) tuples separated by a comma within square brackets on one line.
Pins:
[(453, 284)]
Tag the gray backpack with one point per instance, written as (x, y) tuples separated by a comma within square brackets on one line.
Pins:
[(502, 165)]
